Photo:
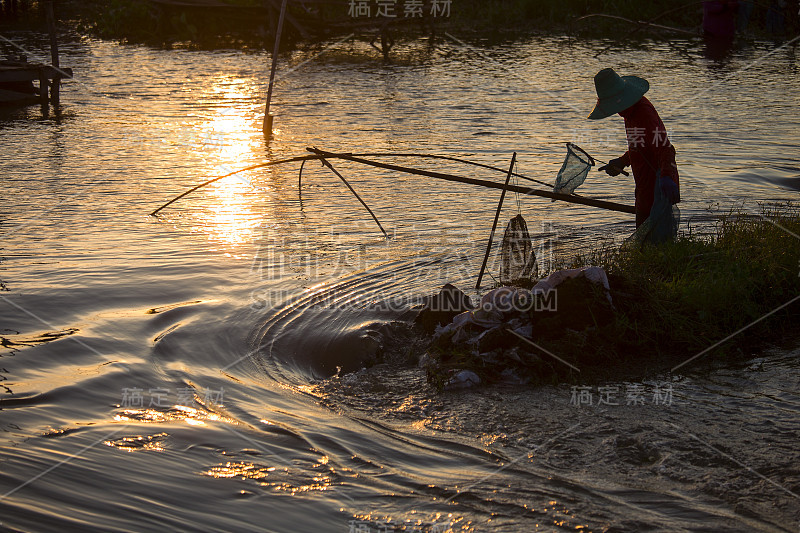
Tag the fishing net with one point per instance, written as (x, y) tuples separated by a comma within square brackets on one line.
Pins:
[(662, 224), (517, 259), (573, 172)]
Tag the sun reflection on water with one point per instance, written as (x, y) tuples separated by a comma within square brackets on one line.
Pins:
[(227, 141)]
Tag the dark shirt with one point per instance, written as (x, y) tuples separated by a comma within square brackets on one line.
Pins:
[(649, 152)]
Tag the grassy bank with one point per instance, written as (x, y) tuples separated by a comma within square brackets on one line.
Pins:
[(682, 297), (671, 302)]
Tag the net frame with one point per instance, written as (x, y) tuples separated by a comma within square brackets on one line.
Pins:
[(576, 179)]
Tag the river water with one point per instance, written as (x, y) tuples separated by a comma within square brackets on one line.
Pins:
[(201, 370)]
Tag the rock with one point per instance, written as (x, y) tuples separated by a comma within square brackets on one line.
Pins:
[(495, 338), (463, 379), (440, 309), (579, 304), (510, 377)]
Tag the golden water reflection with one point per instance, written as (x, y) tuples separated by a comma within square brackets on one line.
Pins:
[(228, 141)]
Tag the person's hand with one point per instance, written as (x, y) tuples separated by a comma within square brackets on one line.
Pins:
[(614, 167), (670, 189)]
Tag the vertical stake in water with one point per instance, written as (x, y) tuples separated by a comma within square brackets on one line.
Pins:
[(278, 31), (496, 218), (51, 29)]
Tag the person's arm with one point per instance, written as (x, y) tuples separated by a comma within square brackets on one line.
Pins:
[(616, 166)]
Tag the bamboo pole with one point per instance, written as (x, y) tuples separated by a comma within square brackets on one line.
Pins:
[(612, 206), (352, 190), (304, 158), (358, 158), (229, 174), (267, 117), (496, 218), (51, 29)]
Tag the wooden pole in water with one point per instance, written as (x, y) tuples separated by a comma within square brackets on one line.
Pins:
[(51, 29), (43, 91), (496, 218), (278, 31)]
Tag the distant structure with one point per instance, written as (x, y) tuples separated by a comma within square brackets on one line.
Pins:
[(17, 75), (379, 20)]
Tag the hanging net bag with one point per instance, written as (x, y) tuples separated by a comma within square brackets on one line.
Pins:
[(662, 224), (573, 172), (517, 259)]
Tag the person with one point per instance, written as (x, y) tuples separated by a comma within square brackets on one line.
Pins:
[(745, 10), (775, 17), (650, 153), (719, 18)]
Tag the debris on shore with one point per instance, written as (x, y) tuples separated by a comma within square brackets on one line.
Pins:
[(625, 310), (487, 343)]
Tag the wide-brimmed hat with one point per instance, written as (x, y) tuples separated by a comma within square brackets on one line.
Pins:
[(616, 93)]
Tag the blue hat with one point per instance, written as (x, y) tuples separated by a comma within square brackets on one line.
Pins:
[(616, 93)]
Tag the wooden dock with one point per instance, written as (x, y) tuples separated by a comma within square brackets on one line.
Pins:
[(17, 87), (17, 75)]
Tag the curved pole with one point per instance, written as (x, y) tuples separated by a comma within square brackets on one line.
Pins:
[(260, 165), (300, 181), (642, 23), (305, 158)]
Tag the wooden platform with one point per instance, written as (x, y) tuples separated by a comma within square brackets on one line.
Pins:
[(16, 77)]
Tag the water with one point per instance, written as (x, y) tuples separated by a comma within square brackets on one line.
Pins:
[(180, 372)]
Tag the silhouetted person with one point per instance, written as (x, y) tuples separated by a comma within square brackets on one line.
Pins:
[(719, 27), (776, 17), (745, 10), (650, 153)]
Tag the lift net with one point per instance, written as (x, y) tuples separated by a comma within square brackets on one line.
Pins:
[(573, 172)]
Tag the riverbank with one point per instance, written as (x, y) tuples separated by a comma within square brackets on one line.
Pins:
[(251, 23), (672, 304)]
